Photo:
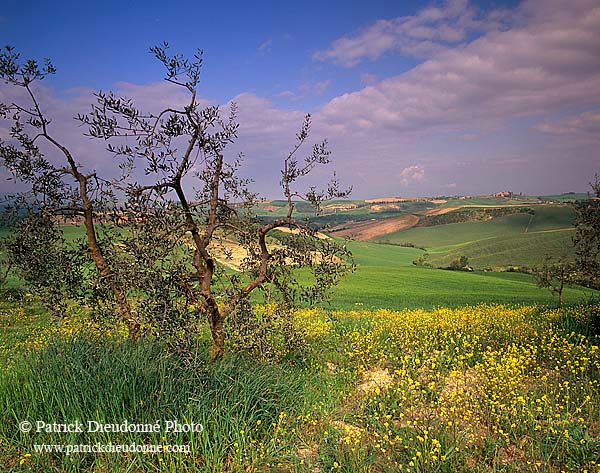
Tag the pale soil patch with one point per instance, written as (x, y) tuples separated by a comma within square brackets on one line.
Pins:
[(371, 229), (510, 454), (309, 452), (387, 200), (468, 381), (295, 231), (380, 207), (441, 211), (375, 378), (342, 207), (229, 253), (347, 428), (461, 392), (445, 210)]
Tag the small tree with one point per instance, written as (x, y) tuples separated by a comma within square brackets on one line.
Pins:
[(194, 233), (587, 236), (460, 264), (55, 189), (556, 275)]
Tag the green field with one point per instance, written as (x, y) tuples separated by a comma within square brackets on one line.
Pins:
[(442, 381), (514, 240), (568, 197), (386, 278), (453, 202)]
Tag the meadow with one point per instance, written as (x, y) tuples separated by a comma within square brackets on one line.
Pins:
[(386, 277), (405, 368), (521, 239), (474, 389)]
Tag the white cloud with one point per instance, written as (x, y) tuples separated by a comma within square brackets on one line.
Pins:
[(459, 106), (287, 94), (432, 30), (306, 89), (315, 87), (587, 123), (411, 175), (536, 68)]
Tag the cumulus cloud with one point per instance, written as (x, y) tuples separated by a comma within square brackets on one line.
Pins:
[(315, 87), (306, 89), (430, 31), (265, 47), (535, 68), (288, 94), (547, 64), (411, 175), (89, 153)]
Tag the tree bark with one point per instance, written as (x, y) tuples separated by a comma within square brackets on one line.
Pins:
[(218, 339), (94, 249), (560, 293), (106, 275)]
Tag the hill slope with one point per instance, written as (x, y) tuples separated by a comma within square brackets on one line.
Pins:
[(514, 240)]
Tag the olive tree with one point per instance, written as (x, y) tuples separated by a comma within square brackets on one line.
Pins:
[(555, 275), (56, 188), (587, 236), (184, 208)]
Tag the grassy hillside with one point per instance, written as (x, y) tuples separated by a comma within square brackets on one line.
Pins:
[(474, 389), (453, 202), (514, 240), (527, 250), (459, 233), (386, 278), (567, 197)]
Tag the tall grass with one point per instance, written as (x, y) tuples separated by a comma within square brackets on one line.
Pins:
[(473, 389), (85, 379)]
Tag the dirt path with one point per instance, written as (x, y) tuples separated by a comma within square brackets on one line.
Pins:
[(371, 229)]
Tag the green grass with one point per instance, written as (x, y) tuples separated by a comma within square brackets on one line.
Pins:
[(386, 278), (568, 197), (237, 402), (446, 391), (523, 250), (514, 240), (489, 201)]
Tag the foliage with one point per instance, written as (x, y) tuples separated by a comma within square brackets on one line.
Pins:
[(161, 242), (555, 274), (471, 215), (266, 332), (475, 388), (587, 236), (188, 145), (56, 191), (519, 239), (37, 253), (460, 264)]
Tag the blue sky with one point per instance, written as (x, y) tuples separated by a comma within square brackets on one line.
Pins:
[(416, 98), (265, 47)]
